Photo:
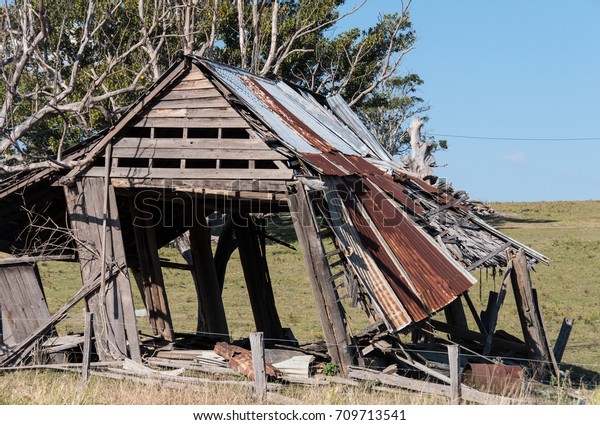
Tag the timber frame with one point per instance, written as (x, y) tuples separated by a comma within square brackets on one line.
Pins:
[(209, 140)]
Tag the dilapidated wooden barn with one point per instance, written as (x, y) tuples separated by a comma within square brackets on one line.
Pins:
[(208, 139)]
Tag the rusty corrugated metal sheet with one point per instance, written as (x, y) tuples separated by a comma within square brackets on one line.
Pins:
[(384, 261), (437, 279)]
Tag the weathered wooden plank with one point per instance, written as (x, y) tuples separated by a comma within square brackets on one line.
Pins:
[(313, 253), (531, 324), (199, 153), (267, 186), (22, 302), (84, 204), (211, 313), (258, 281), (189, 143), (191, 122), (192, 85), (35, 259), (192, 103), (56, 317), (155, 296), (454, 364), (198, 93), (214, 112), (87, 345), (562, 339), (194, 173), (257, 346), (492, 315)]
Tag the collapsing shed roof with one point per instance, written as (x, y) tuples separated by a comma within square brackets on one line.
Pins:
[(411, 235)]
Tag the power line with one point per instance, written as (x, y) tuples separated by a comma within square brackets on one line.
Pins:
[(516, 138)]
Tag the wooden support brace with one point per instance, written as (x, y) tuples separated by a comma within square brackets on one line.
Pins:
[(87, 345), (563, 338), (258, 281), (211, 313), (493, 314), (315, 260)]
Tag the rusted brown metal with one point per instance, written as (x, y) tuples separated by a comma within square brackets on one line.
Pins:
[(384, 261), (306, 132), (497, 379), (437, 280)]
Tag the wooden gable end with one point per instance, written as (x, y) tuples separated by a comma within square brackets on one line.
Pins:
[(190, 131)]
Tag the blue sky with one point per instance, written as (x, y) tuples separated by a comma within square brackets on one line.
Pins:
[(509, 69)]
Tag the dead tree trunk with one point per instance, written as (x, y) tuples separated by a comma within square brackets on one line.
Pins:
[(421, 159)]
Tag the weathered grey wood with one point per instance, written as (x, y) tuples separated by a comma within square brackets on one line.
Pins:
[(268, 186), (454, 364), (258, 281), (199, 153), (476, 336), (492, 254), (194, 173), (193, 102), (178, 112), (533, 329), (190, 122), (493, 314), (211, 313), (167, 79), (85, 291), (540, 314), (330, 310), (35, 259), (563, 338), (87, 345), (155, 295), (23, 306), (84, 204), (189, 143), (199, 93), (257, 347)]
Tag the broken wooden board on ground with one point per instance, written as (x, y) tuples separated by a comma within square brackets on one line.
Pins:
[(240, 360)]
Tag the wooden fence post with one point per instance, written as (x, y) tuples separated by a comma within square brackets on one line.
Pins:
[(257, 345), (454, 363)]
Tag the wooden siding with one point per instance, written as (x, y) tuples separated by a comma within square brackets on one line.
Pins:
[(191, 131), (22, 303)]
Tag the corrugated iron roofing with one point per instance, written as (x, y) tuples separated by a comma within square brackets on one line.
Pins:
[(289, 112)]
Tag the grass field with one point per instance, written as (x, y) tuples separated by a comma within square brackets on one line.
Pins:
[(567, 232)]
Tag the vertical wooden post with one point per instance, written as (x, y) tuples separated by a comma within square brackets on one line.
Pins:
[(455, 316), (87, 345), (492, 315), (115, 326), (258, 281), (258, 364), (454, 363), (152, 281), (211, 313), (532, 326), (563, 338), (225, 247), (330, 311)]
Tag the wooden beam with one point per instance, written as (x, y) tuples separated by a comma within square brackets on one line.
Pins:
[(225, 247), (257, 345), (330, 310), (532, 326), (489, 256), (474, 313), (211, 313), (150, 272), (258, 280), (115, 327), (87, 345), (563, 338), (35, 259), (454, 364), (492, 315), (455, 316)]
